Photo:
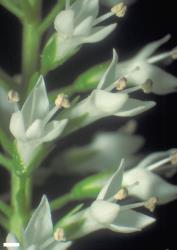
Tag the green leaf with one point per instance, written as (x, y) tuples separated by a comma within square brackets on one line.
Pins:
[(90, 186)]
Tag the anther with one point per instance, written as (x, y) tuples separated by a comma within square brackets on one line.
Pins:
[(174, 53), (62, 101), (174, 158), (13, 96), (121, 84), (59, 234), (147, 86), (122, 194), (151, 204), (119, 9)]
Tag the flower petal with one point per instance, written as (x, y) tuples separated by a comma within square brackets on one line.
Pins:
[(17, 127), (113, 185), (149, 185), (84, 28), (41, 223), (149, 49), (99, 33), (53, 130), (64, 22), (104, 212), (129, 221), (110, 75), (35, 130), (135, 107), (37, 105), (11, 239)]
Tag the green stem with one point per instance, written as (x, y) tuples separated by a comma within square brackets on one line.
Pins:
[(31, 46), (5, 209), (12, 7), (51, 16), (21, 202), (60, 202)]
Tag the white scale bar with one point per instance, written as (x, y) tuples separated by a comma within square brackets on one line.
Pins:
[(11, 244)]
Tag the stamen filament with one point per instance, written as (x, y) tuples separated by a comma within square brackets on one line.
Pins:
[(158, 164), (103, 18)]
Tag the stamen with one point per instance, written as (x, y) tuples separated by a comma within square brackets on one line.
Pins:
[(62, 101), (13, 96), (129, 128), (158, 164), (147, 86), (121, 84), (119, 9), (121, 195), (174, 158), (151, 204), (59, 234), (174, 53)]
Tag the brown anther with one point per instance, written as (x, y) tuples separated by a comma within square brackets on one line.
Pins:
[(62, 101), (121, 84), (119, 9), (174, 53), (174, 158), (59, 234), (13, 96), (122, 194), (147, 86), (151, 204)]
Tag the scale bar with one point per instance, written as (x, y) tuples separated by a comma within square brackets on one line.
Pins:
[(11, 244)]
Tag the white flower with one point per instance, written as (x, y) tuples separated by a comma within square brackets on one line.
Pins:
[(32, 126), (102, 102), (105, 213), (144, 182), (96, 156), (162, 82), (78, 24), (39, 234)]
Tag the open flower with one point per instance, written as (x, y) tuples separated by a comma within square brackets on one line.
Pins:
[(78, 24), (102, 102), (32, 125), (105, 213), (161, 81), (38, 234), (144, 181)]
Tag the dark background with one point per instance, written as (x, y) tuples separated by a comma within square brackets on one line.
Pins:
[(145, 21)]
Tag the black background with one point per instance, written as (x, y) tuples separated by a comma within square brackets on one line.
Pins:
[(146, 21)]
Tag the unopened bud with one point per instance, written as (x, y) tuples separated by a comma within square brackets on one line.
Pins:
[(147, 86), (119, 9), (62, 101), (174, 158), (13, 96), (59, 234), (122, 194), (121, 84), (151, 204)]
